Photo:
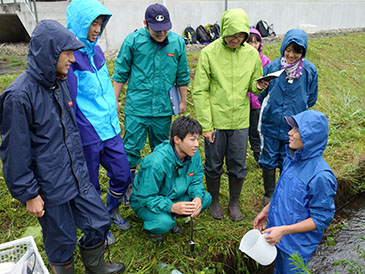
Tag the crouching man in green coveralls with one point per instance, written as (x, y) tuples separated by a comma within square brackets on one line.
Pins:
[(170, 181)]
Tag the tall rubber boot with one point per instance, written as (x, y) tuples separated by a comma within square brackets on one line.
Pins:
[(63, 268), (113, 201), (93, 259), (213, 186), (235, 187), (269, 184)]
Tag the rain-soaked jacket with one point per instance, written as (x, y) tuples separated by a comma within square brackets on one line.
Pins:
[(254, 101), (163, 179), (284, 99), (151, 69), (41, 147), (224, 76), (306, 187), (90, 85)]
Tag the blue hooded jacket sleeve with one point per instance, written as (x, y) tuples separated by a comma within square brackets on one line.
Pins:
[(16, 142)]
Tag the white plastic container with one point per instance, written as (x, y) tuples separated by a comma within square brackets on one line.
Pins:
[(308, 28), (20, 256), (254, 245)]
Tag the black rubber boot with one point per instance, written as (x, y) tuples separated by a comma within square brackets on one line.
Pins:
[(235, 187), (63, 268), (157, 238), (269, 184), (213, 186), (93, 259)]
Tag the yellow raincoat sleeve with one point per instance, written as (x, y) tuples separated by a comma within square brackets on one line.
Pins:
[(201, 92)]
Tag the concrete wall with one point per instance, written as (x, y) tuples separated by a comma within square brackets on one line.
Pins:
[(128, 15), (325, 14)]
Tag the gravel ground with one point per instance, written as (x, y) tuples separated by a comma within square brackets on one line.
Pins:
[(21, 49)]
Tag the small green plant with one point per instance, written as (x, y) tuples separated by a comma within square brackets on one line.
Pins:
[(330, 241), (299, 264)]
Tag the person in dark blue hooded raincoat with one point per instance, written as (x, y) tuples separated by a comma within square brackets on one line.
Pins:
[(294, 91), (43, 161), (302, 206)]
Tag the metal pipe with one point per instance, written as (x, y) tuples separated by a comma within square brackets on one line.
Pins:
[(225, 4), (191, 241), (35, 11)]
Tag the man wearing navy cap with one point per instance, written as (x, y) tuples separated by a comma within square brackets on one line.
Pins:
[(153, 60)]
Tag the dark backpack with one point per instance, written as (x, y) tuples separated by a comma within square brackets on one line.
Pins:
[(214, 31), (263, 27), (202, 35), (189, 35)]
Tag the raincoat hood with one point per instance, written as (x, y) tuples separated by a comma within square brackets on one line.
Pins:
[(48, 40), (255, 31), (80, 15), (313, 129), (234, 21), (169, 153), (297, 36)]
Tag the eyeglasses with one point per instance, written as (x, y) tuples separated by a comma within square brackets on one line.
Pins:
[(237, 36)]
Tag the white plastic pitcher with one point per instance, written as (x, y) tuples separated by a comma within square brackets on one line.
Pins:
[(254, 245)]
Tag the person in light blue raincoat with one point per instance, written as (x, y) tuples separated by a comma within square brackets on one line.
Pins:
[(95, 106), (302, 206), (294, 91)]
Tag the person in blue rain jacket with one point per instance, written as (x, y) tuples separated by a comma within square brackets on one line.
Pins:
[(95, 106), (294, 91), (302, 206)]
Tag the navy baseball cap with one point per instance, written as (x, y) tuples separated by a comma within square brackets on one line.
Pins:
[(158, 18), (291, 122)]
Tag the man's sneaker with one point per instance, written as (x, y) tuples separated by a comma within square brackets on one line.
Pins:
[(118, 220), (158, 238), (177, 230), (110, 239)]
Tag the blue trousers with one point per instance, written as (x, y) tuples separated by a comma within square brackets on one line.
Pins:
[(86, 211), (272, 152), (136, 130), (111, 155), (163, 222)]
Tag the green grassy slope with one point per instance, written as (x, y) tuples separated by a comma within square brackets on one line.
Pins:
[(341, 68)]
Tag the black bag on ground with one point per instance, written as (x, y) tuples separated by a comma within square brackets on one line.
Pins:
[(263, 27), (215, 31), (189, 35), (202, 35)]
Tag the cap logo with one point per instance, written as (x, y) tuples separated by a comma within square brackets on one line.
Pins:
[(160, 18)]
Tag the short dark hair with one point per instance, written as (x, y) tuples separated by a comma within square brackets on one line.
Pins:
[(297, 49), (182, 126), (252, 35)]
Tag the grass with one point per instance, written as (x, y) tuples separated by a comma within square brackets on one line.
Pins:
[(341, 69)]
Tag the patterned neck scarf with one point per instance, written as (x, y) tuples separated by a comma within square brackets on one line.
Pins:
[(293, 71)]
